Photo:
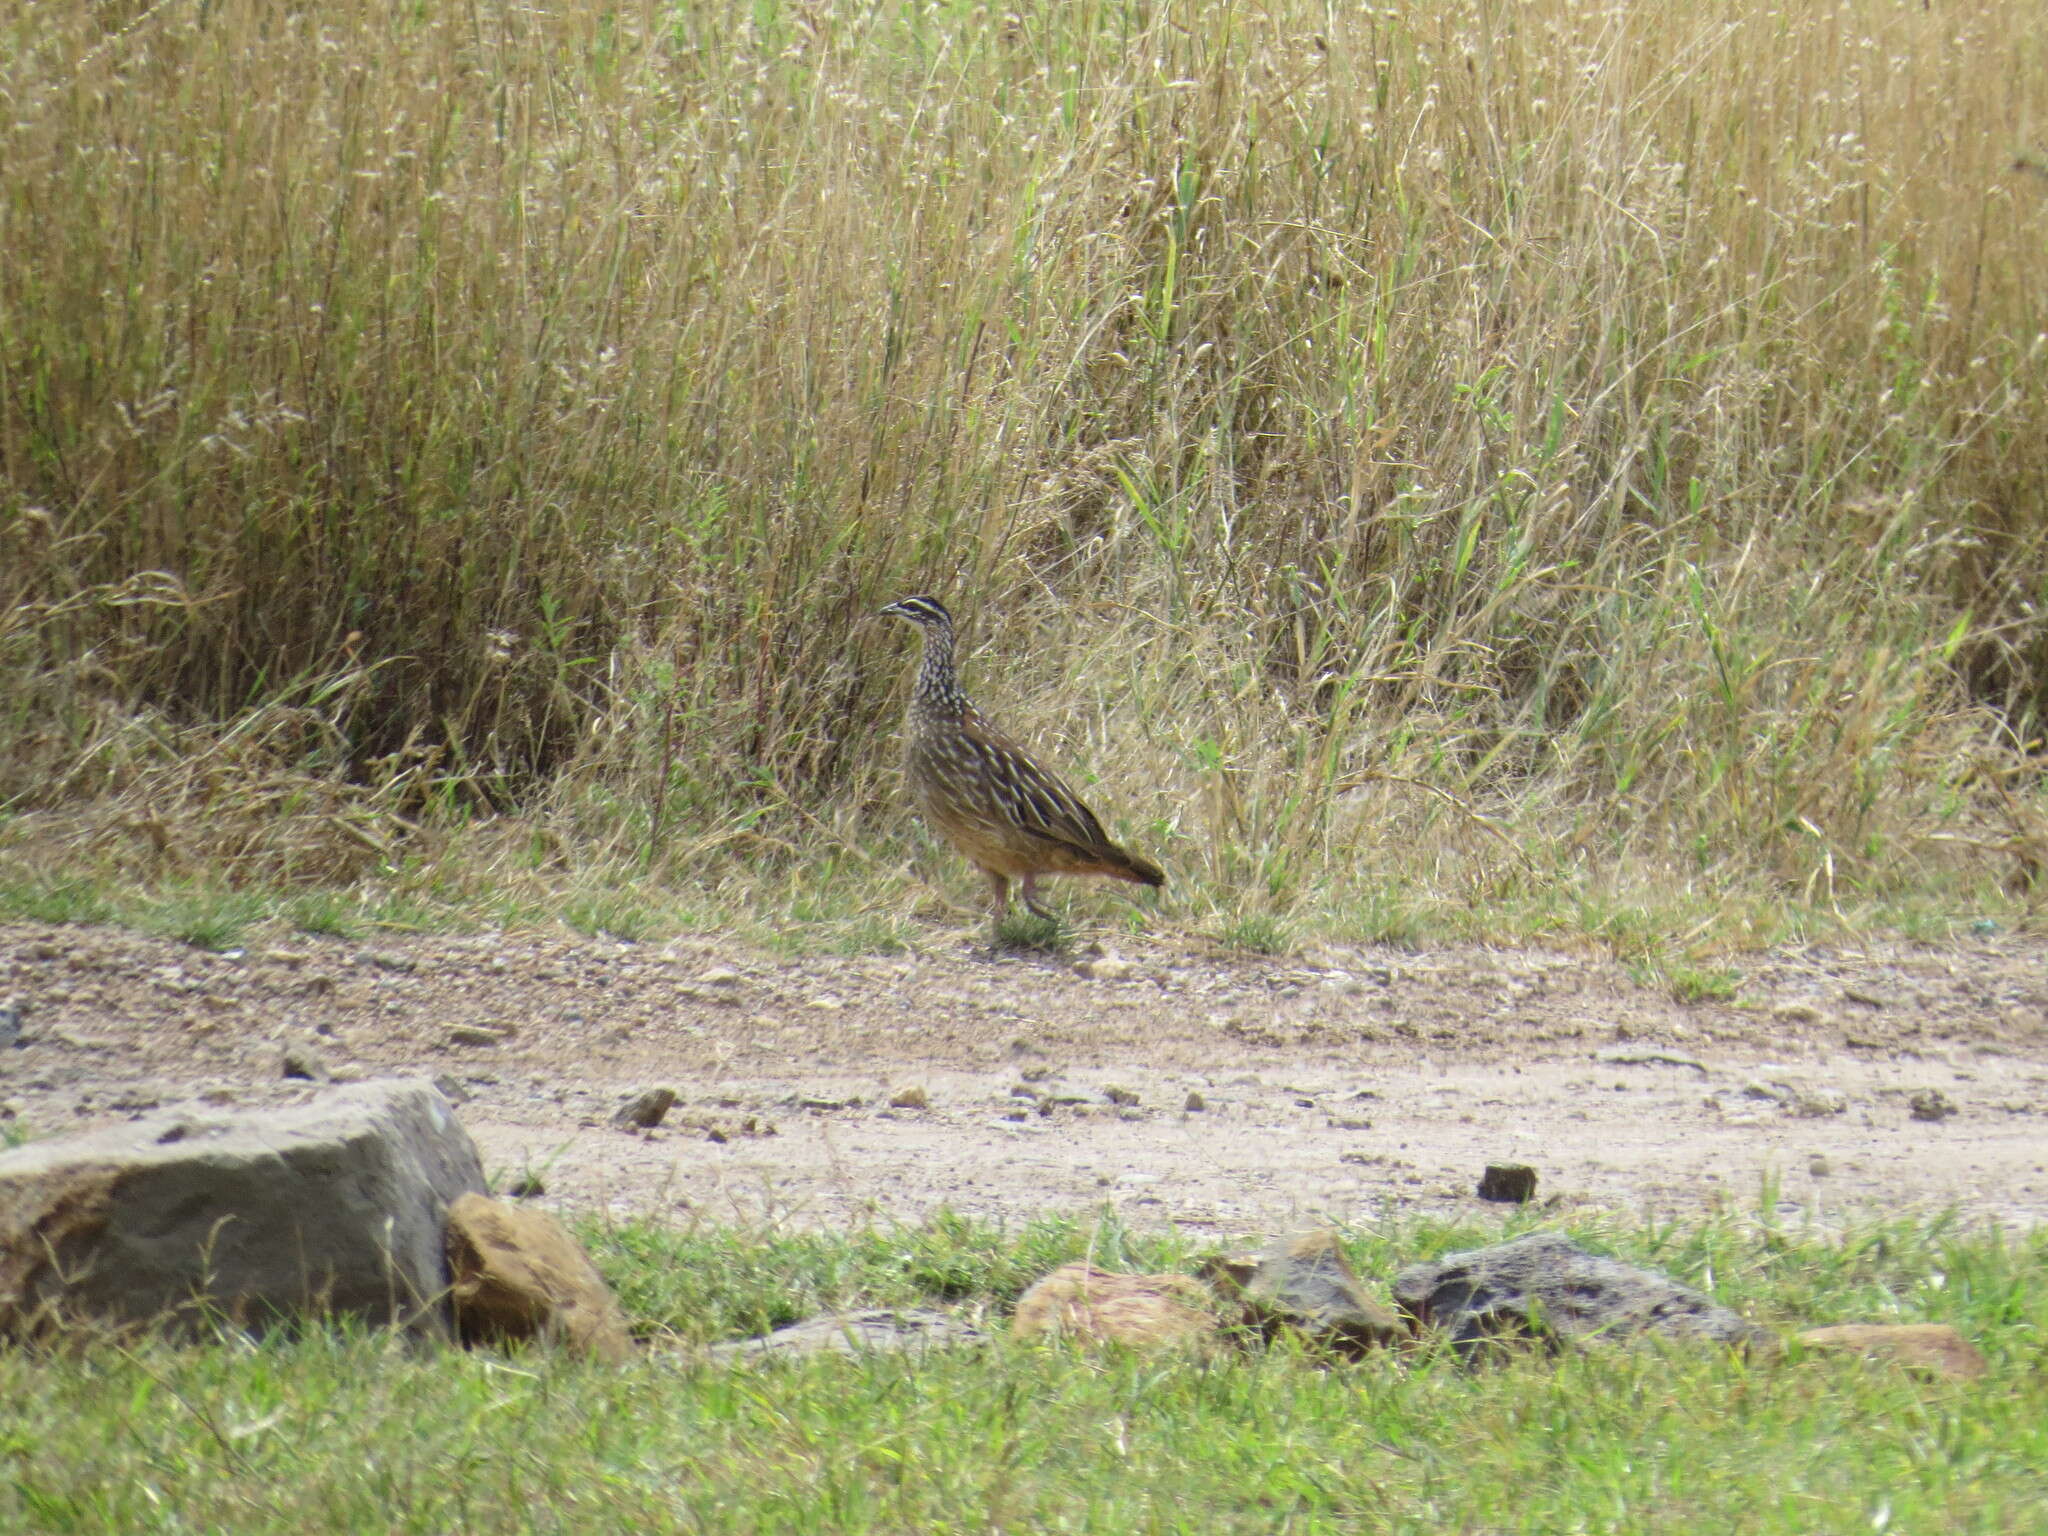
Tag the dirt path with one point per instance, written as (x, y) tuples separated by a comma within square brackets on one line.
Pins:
[(1253, 1092)]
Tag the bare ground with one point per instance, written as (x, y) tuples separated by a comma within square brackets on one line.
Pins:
[(1250, 1092)]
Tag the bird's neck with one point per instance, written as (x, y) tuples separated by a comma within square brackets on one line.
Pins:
[(937, 693)]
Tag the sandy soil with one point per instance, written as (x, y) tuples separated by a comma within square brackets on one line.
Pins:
[(1248, 1093)]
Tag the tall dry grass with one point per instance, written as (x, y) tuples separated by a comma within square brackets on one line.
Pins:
[(1549, 453)]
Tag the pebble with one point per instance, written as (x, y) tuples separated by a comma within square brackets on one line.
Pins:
[(479, 1034), (646, 1109), (910, 1098), (1647, 1056)]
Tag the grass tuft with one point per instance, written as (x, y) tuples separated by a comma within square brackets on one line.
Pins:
[(1022, 929)]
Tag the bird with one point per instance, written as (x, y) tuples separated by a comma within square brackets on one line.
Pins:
[(984, 794)]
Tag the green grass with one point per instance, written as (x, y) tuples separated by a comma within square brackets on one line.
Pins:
[(1022, 929), (336, 1431)]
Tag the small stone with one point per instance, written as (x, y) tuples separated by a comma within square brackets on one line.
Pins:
[(1106, 967), (528, 1186), (910, 1098), (719, 976), (452, 1088), (304, 1064), (1797, 1013), (11, 1037), (1809, 1103), (479, 1034), (645, 1110), (827, 1003), (1647, 1056), (387, 960), (1122, 1097), (1508, 1183), (1194, 1104), (1931, 1104)]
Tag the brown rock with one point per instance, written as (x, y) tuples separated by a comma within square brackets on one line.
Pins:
[(1509, 1183), (1932, 1347), (1143, 1311), (519, 1275)]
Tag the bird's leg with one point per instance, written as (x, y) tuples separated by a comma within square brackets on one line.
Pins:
[(999, 891), (1030, 893)]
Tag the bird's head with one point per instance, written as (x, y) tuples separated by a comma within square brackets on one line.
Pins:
[(925, 612)]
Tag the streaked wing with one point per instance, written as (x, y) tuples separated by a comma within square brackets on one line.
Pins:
[(1034, 801)]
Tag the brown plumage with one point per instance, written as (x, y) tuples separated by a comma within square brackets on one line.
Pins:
[(982, 792)]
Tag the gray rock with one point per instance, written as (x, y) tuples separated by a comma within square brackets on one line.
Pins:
[(333, 1206), (1304, 1285), (881, 1330), (1545, 1286)]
